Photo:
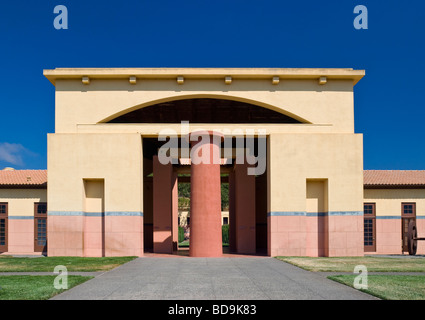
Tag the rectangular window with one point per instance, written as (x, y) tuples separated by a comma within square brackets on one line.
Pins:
[(369, 227), (225, 220), (3, 226), (42, 208), (408, 209), (408, 213), (40, 227)]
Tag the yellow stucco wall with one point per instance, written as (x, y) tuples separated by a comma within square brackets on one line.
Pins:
[(388, 201), (116, 158), (21, 201), (294, 158), (77, 103)]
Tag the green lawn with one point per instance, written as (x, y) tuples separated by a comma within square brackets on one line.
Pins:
[(33, 287), (47, 264), (390, 287), (184, 244), (347, 264)]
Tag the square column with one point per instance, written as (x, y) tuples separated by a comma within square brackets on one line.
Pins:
[(245, 210), (162, 207), (232, 213), (175, 204)]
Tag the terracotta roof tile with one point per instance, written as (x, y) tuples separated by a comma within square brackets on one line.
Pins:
[(408, 178), (10, 177), (372, 178)]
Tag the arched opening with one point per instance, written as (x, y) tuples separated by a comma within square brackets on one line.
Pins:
[(204, 110)]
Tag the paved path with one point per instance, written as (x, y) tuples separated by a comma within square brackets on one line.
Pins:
[(71, 273), (210, 279)]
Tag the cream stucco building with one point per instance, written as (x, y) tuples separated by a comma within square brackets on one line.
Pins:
[(109, 194)]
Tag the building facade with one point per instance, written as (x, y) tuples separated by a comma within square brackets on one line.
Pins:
[(23, 211), (393, 198), (283, 139)]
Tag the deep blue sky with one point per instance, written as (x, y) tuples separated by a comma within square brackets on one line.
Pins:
[(389, 101)]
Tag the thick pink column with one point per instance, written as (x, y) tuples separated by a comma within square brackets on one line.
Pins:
[(205, 201), (162, 207), (245, 210)]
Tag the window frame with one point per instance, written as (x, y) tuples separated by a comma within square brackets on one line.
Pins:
[(372, 217), (39, 216), (405, 219), (5, 216)]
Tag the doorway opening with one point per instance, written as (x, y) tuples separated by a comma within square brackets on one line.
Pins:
[(243, 207)]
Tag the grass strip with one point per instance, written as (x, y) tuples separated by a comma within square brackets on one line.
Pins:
[(389, 287), (33, 287), (347, 264), (73, 264)]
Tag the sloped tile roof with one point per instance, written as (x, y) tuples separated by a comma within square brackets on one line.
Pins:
[(372, 178), (393, 178), (30, 178)]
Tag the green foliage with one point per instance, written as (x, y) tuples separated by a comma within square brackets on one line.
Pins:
[(184, 203), (181, 234), (184, 190), (224, 196), (184, 195), (225, 233)]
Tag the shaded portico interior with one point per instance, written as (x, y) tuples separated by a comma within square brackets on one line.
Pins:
[(247, 204)]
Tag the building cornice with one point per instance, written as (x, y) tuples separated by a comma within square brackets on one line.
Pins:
[(227, 74)]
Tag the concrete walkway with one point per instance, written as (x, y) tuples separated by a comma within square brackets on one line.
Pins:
[(210, 279), (79, 273)]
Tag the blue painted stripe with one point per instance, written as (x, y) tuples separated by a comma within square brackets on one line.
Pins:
[(345, 213), (314, 214), (96, 214), (124, 213), (387, 217), (21, 218), (286, 213), (396, 217), (66, 213)]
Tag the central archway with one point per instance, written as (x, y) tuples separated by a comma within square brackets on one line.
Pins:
[(204, 110)]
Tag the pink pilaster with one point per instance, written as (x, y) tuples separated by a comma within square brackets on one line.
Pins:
[(175, 205), (245, 210), (94, 241), (162, 207), (232, 213)]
